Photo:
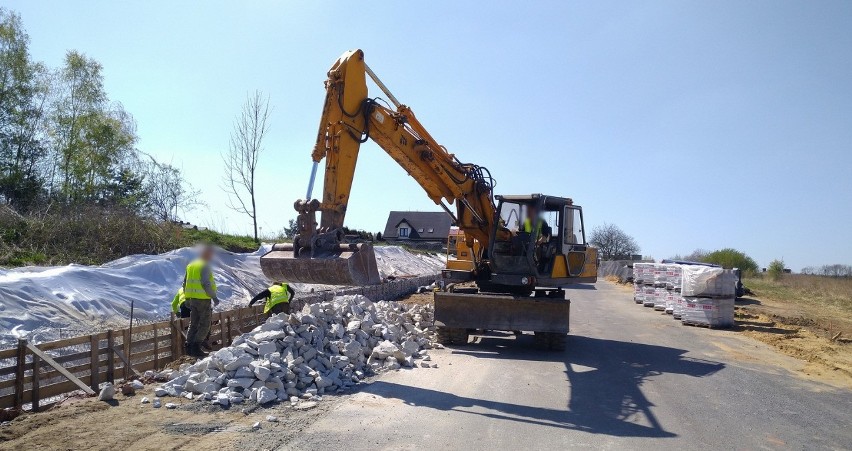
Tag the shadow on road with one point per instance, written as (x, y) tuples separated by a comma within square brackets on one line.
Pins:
[(604, 378)]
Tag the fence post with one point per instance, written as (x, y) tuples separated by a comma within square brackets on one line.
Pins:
[(156, 349), (223, 333), (19, 374), (94, 366), (36, 383), (125, 344), (110, 357)]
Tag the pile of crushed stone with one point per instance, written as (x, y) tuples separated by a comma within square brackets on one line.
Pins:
[(326, 348)]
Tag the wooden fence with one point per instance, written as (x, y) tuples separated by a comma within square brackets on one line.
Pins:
[(37, 375), (41, 373)]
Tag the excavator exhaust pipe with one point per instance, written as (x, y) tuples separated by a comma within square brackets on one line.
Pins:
[(349, 264)]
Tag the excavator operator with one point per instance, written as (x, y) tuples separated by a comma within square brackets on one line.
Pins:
[(543, 231), (541, 236)]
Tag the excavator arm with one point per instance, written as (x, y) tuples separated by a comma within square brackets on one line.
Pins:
[(349, 118)]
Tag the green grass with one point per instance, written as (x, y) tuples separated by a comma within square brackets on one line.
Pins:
[(233, 243)]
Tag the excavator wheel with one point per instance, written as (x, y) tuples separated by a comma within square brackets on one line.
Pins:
[(556, 342), (550, 341), (451, 335), (540, 340)]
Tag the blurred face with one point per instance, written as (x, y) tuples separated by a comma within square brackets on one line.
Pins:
[(207, 253), (532, 212)]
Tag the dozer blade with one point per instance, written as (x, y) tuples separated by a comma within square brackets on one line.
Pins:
[(349, 264), (501, 312)]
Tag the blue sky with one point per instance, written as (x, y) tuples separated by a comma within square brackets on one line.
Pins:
[(690, 125)]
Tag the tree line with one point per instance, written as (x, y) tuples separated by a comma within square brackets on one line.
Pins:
[(836, 270), (65, 143)]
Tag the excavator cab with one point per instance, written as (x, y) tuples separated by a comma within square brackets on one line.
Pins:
[(545, 245)]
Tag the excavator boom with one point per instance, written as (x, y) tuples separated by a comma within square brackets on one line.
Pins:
[(319, 253)]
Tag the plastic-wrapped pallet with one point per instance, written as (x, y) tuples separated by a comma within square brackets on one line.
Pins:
[(643, 273), (660, 277), (638, 292), (671, 299), (704, 281), (680, 305), (649, 293), (674, 277), (713, 312), (660, 295)]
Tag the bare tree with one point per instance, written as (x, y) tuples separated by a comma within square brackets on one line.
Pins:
[(243, 153), (168, 192), (613, 243)]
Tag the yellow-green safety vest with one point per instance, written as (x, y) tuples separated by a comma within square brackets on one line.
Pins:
[(193, 289), (178, 300), (528, 226), (277, 295)]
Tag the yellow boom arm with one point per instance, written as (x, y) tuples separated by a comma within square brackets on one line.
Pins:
[(349, 118)]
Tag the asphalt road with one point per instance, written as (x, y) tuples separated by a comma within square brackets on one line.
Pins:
[(631, 378)]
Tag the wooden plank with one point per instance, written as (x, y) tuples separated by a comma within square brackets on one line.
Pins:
[(127, 366), (93, 362), (8, 353), (59, 368), (145, 328), (140, 356), (73, 341), (110, 357), (7, 370), (19, 373), (36, 395)]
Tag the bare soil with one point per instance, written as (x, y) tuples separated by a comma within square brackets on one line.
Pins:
[(126, 423)]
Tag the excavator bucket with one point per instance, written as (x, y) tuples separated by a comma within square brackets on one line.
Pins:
[(350, 264)]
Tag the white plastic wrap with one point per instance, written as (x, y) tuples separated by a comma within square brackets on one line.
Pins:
[(714, 312), (649, 293), (643, 273), (706, 281), (671, 298), (680, 305), (638, 293), (674, 277), (660, 276), (660, 294)]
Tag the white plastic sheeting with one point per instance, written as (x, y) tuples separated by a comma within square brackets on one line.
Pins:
[(708, 281), (47, 303), (714, 312)]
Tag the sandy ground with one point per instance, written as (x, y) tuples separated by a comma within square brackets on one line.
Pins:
[(128, 424)]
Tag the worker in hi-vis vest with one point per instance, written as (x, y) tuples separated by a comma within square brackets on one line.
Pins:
[(542, 230), (199, 288), (278, 298), (178, 308)]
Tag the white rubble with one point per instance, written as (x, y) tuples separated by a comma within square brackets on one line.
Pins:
[(107, 393), (326, 348)]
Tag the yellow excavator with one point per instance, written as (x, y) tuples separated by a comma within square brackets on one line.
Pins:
[(520, 251)]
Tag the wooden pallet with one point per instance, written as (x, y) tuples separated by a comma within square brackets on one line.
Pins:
[(697, 324)]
